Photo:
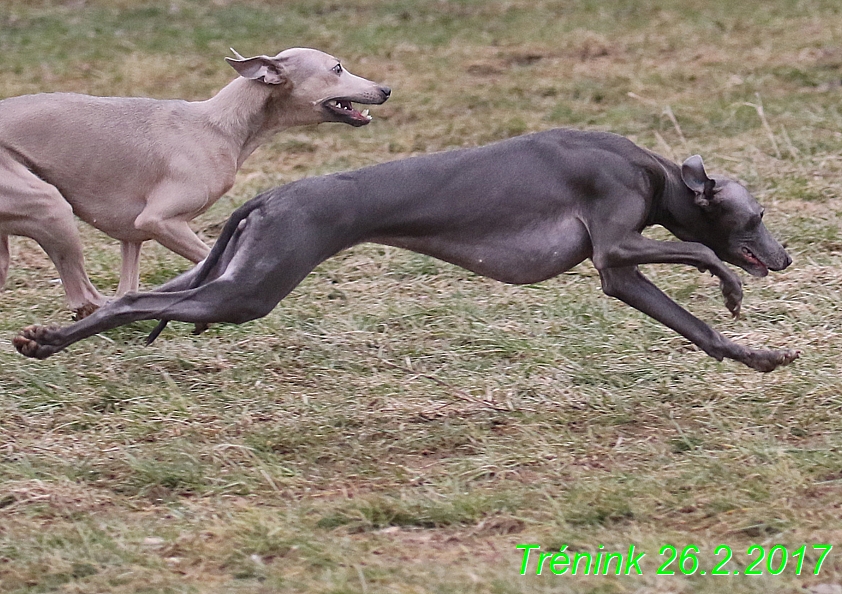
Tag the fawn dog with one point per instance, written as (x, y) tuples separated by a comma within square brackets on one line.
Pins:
[(140, 169)]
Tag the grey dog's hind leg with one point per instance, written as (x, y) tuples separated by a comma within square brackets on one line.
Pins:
[(213, 266), (241, 280), (217, 301)]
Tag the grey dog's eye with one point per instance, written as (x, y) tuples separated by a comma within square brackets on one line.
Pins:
[(337, 69)]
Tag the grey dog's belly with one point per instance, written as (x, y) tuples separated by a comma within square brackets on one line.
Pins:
[(523, 256)]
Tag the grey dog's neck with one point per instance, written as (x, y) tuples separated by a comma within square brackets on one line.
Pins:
[(673, 206)]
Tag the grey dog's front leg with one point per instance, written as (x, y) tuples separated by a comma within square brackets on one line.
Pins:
[(628, 285), (635, 249)]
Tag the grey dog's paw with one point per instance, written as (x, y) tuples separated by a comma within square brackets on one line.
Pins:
[(30, 342), (766, 361), (732, 291)]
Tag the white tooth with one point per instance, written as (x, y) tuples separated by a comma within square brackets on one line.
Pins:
[(365, 112)]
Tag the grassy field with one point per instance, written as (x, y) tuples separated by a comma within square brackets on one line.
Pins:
[(399, 425)]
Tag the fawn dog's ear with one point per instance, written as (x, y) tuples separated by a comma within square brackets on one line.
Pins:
[(260, 68)]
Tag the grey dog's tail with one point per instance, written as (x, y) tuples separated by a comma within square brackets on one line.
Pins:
[(209, 263)]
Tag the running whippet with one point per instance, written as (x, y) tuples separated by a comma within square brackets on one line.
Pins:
[(520, 211), (140, 169)]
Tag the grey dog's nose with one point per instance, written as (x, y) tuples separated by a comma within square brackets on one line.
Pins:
[(387, 92)]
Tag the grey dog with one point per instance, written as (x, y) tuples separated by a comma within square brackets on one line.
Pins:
[(520, 211)]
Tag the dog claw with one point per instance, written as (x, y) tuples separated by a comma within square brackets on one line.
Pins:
[(734, 304), (735, 312)]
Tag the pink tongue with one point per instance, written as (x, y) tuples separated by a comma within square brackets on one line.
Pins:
[(348, 107), (755, 260)]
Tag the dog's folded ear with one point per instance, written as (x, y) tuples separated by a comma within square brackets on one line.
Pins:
[(694, 175), (696, 178), (260, 68)]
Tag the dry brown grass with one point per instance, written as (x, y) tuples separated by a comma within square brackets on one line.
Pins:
[(397, 424)]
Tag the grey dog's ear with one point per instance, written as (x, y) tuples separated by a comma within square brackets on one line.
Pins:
[(696, 178), (260, 68)]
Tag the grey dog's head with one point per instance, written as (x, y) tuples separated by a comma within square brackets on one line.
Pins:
[(734, 229)]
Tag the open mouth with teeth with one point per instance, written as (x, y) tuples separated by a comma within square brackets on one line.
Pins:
[(754, 265), (344, 111)]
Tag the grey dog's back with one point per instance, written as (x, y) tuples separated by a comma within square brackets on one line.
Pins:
[(511, 175)]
